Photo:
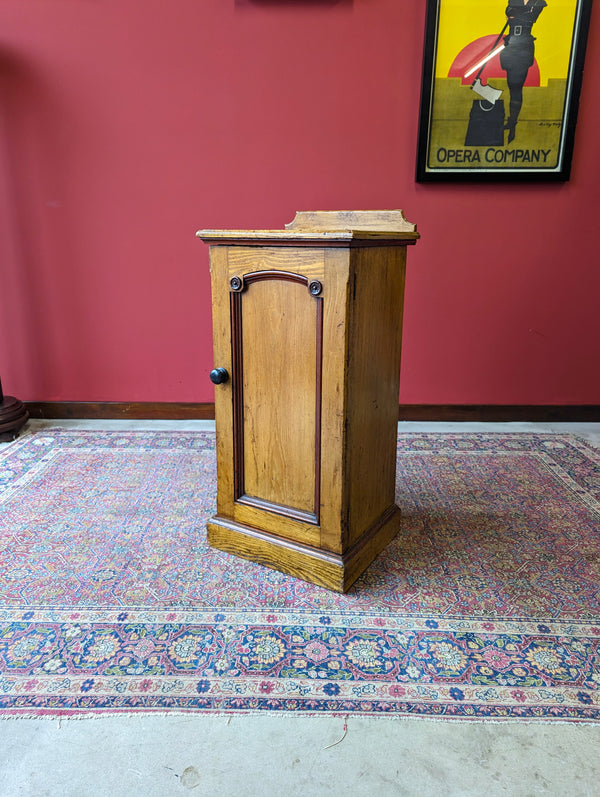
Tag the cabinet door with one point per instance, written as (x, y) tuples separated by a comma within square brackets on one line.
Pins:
[(270, 415)]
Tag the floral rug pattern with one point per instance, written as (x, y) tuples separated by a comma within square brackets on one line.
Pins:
[(486, 606)]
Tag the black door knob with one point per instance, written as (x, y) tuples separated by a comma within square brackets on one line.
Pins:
[(218, 376)]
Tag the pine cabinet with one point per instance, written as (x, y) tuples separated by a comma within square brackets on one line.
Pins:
[(307, 325)]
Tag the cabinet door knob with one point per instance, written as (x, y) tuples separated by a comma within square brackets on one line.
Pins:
[(218, 376)]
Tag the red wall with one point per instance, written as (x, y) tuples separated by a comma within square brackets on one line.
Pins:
[(128, 125)]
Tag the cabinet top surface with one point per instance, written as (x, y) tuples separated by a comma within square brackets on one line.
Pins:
[(323, 227)]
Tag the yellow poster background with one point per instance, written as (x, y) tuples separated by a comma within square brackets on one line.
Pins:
[(463, 21), (537, 142)]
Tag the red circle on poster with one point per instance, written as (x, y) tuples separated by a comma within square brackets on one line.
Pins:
[(476, 51)]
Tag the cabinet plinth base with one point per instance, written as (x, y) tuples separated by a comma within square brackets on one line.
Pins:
[(330, 570)]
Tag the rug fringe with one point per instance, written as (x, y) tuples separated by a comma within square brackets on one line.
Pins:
[(288, 715)]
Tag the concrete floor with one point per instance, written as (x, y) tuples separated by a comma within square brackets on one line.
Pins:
[(160, 756), (271, 755)]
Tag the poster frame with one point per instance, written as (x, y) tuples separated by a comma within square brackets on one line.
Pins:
[(466, 171)]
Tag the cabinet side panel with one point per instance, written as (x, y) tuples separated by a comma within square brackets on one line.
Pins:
[(373, 383)]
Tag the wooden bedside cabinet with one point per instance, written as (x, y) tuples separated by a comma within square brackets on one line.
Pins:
[(307, 325)]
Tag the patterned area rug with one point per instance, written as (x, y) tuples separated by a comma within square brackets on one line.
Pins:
[(486, 606)]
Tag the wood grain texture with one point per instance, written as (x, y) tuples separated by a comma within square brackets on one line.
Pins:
[(370, 544), (334, 499), (331, 228), (267, 419), (309, 563), (307, 424), (222, 352), (375, 336), (275, 551), (356, 220), (279, 321), (276, 521), (308, 262)]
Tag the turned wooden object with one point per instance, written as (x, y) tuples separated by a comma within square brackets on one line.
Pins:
[(13, 416), (307, 327)]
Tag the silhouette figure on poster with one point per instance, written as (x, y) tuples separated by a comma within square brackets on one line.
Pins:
[(518, 53)]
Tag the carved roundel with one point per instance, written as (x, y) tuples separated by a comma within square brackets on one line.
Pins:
[(315, 288), (236, 284)]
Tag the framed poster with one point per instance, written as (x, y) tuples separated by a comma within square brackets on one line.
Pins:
[(501, 84)]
